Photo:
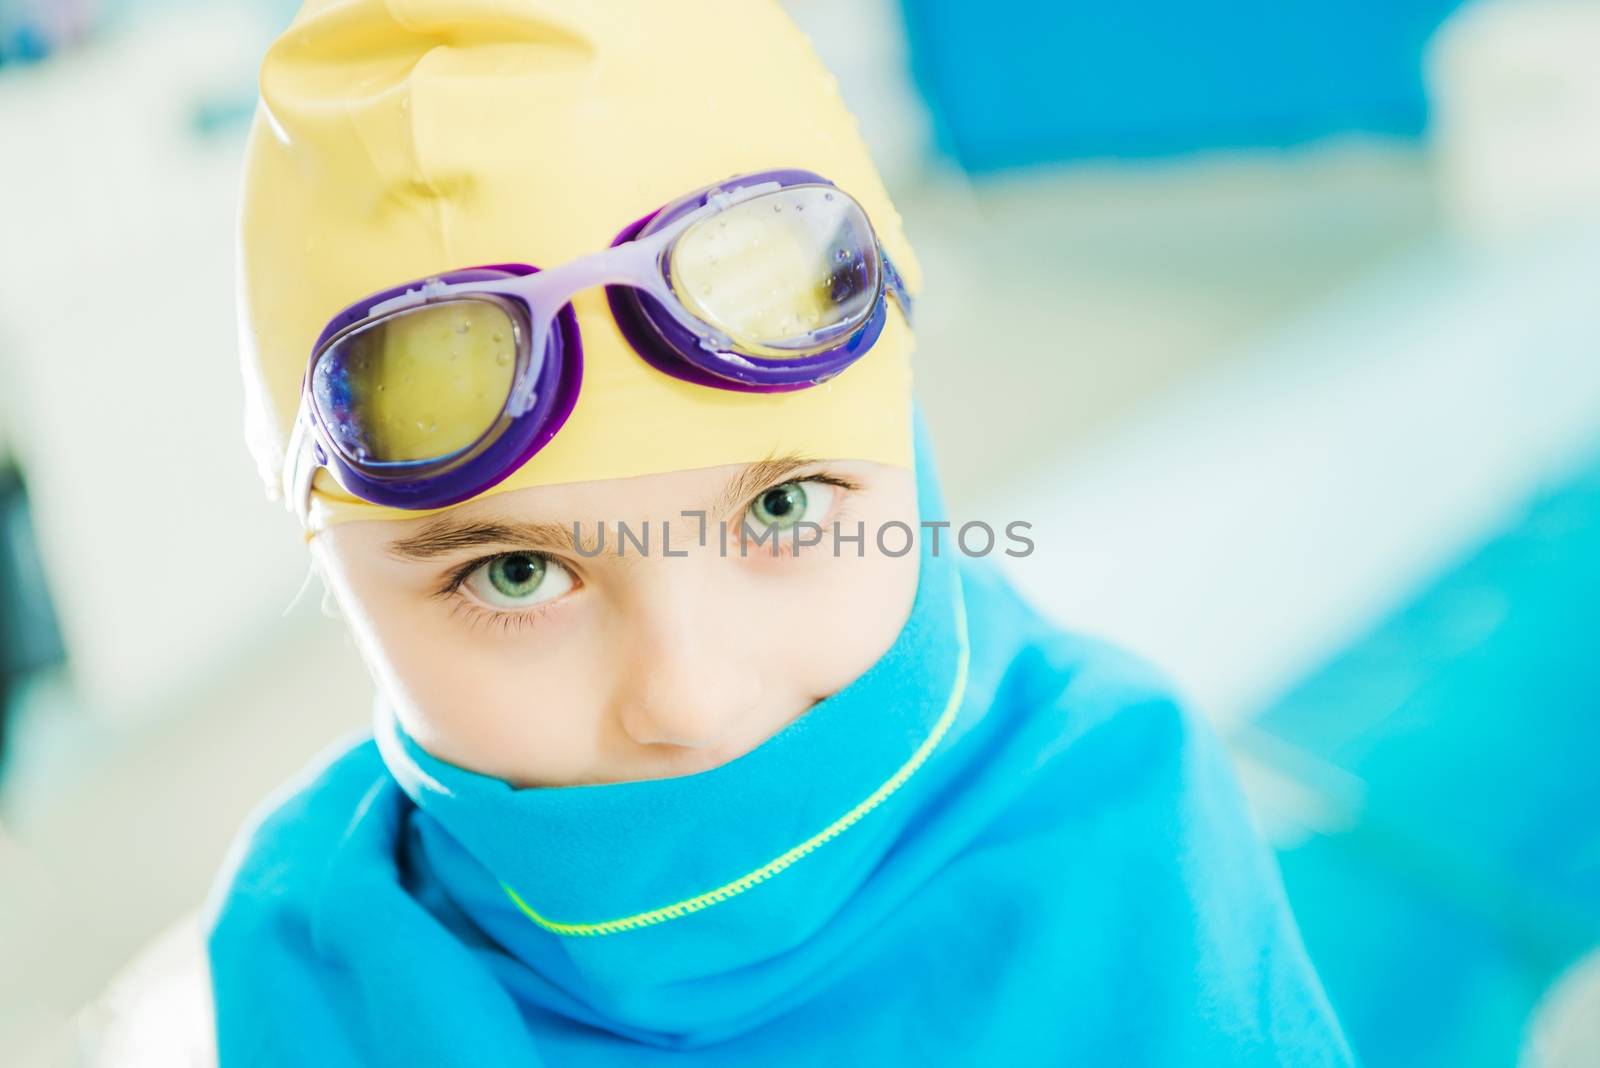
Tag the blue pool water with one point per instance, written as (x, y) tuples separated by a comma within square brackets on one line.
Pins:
[(1471, 877)]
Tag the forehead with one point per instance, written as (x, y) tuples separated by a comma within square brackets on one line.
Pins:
[(654, 495), (714, 491)]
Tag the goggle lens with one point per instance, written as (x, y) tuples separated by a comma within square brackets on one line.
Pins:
[(419, 386), (784, 274)]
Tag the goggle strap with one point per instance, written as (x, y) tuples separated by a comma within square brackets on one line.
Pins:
[(299, 468), (896, 285)]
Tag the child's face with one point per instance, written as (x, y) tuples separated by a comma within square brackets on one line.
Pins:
[(508, 652)]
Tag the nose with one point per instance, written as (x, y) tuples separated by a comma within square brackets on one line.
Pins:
[(690, 685)]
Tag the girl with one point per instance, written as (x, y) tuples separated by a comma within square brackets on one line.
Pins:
[(578, 337)]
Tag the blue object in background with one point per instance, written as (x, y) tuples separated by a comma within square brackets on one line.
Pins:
[(1471, 878), (34, 30), (1017, 82), (30, 639)]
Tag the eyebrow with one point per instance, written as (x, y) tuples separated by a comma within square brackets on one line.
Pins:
[(446, 535), (442, 537), (754, 478)]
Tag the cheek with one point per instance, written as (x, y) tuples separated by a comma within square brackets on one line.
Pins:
[(476, 696), (857, 618), (501, 699)]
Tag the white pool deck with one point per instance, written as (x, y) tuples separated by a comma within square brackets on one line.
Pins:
[(1259, 517)]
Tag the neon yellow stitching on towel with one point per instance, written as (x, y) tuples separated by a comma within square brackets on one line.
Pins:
[(773, 867)]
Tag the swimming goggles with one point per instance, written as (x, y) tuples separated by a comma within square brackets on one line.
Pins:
[(428, 393)]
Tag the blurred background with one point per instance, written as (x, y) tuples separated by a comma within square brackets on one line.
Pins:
[(1290, 314)]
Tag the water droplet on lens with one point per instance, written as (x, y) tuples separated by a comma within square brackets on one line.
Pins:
[(463, 326), (503, 359), (380, 387), (841, 255), (827, 196), (455, 354), (777, 207), (498, 336)]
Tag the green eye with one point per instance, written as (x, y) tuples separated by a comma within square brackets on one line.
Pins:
[(519, 580), (517, 575), (781, 506)]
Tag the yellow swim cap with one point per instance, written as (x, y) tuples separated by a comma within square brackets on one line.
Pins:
[(402, 138)]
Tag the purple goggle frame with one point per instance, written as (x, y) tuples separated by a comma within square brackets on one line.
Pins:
[(549, 348)]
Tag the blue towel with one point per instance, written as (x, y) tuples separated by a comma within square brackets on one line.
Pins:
[(1001, 845)]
